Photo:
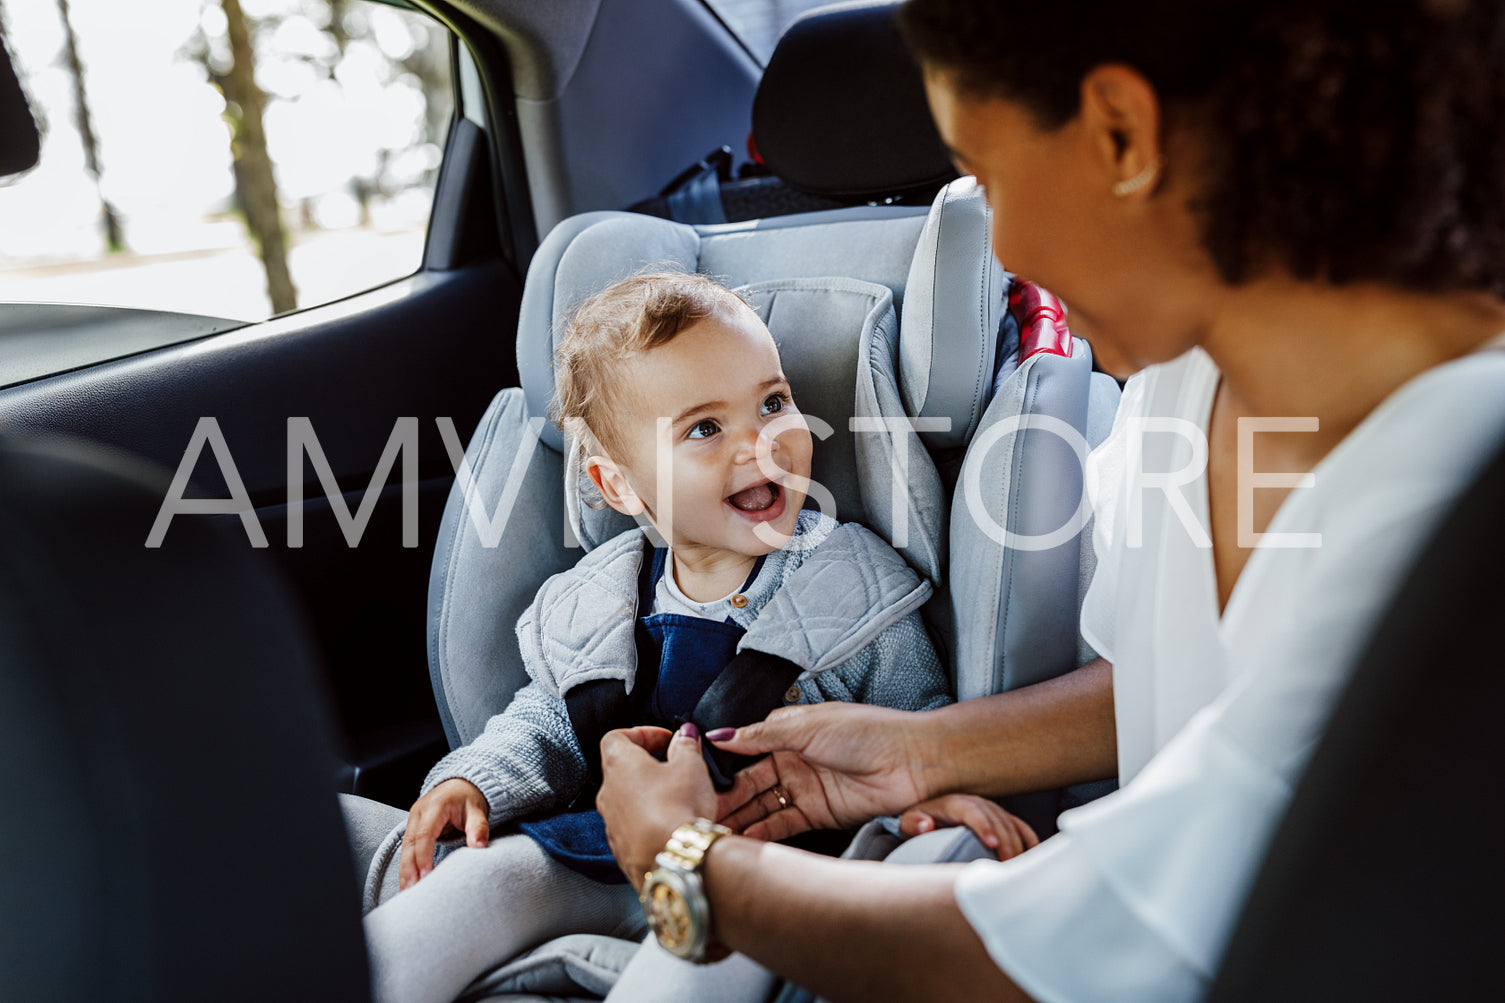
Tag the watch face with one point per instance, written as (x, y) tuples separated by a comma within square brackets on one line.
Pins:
[(669, 916), (675, 908)]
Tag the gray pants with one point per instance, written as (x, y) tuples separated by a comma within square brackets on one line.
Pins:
[(476, 910)]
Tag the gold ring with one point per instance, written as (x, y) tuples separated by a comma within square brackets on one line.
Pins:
[(781, 795)]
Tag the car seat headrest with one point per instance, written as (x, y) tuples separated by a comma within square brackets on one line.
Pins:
[(841, 108), (565, 271), (951, 294), (951, 316)]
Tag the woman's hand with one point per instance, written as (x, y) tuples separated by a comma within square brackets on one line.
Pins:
[(832, 766), (455, 804), (643, 800), (1001, 832)]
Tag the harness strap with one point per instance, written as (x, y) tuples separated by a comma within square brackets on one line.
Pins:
[(603, 705), (751, 686), (595, 708)]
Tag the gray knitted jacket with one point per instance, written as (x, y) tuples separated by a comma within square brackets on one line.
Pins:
[(837, 601)]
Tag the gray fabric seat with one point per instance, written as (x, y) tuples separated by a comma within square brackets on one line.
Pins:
[(1020, 523)]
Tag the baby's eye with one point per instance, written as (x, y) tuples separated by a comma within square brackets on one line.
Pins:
[(775, 403), (703, 429)]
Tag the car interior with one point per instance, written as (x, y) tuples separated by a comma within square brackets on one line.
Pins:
[(176, 718)]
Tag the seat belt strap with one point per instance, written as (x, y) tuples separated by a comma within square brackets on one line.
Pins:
[(752, 685)]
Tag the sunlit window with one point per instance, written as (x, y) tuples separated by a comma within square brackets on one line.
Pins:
[(231, 158)]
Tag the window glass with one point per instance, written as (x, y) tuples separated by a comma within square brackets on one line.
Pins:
[(232, 158), (759, 23)]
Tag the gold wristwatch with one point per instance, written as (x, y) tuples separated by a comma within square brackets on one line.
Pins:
[(674, 898)]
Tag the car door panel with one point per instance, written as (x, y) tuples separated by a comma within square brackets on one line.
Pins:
[(436, 345)]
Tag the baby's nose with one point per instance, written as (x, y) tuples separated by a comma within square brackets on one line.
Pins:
[(759, 441)]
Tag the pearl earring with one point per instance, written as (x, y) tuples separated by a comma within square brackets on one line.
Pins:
[(1140, 180)]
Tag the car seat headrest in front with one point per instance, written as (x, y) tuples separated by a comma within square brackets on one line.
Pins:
[(841, 108), (160, 727)]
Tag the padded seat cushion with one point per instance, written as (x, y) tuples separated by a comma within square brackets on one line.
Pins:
[(574, 966)]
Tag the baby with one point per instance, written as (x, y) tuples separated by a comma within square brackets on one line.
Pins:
[(671, 389)]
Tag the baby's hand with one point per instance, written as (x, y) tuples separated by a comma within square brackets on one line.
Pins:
[(999, 831), (454, 804)]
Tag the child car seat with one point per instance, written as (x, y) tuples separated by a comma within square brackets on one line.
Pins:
[(845, 357), (516, 458)]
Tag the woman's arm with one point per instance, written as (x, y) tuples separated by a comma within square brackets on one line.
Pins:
[(841, 764), (845, 929), (850, 930), (1051, 734)]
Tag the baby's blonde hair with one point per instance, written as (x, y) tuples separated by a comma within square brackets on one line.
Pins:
[(625, 319)]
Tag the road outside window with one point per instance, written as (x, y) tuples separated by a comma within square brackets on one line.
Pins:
[(229, 158)]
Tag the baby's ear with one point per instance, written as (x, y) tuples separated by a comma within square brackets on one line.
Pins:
[(612, 483)]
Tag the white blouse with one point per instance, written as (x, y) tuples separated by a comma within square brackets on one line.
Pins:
[(1136, 896)]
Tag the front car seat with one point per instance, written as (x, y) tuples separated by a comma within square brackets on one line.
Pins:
[(839, 119), (171, 832), (1384, 879)]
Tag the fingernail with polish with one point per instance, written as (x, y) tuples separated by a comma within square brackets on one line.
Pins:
[(721, 734), (688, 730)]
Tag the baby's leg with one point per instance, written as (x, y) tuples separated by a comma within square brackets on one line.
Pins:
[(479, 908)]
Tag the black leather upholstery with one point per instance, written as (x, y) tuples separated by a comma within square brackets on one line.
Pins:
[(170, 830), (1385, 881)]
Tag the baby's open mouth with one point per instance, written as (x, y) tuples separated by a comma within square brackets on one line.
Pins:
[(756, 498)]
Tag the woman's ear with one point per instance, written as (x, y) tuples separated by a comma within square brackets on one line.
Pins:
[(612, 483), (1121, 114)]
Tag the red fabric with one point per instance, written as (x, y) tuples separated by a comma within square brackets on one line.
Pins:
[(1042, 321)]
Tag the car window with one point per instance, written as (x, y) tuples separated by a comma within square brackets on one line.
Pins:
[(228, 158), (759, 23)]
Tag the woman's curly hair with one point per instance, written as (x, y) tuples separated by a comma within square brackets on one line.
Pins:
[(1348, 140)]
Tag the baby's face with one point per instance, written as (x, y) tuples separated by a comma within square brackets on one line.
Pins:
[(713, 407)]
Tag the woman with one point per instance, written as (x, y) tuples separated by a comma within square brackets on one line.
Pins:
[(1289, 220)]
